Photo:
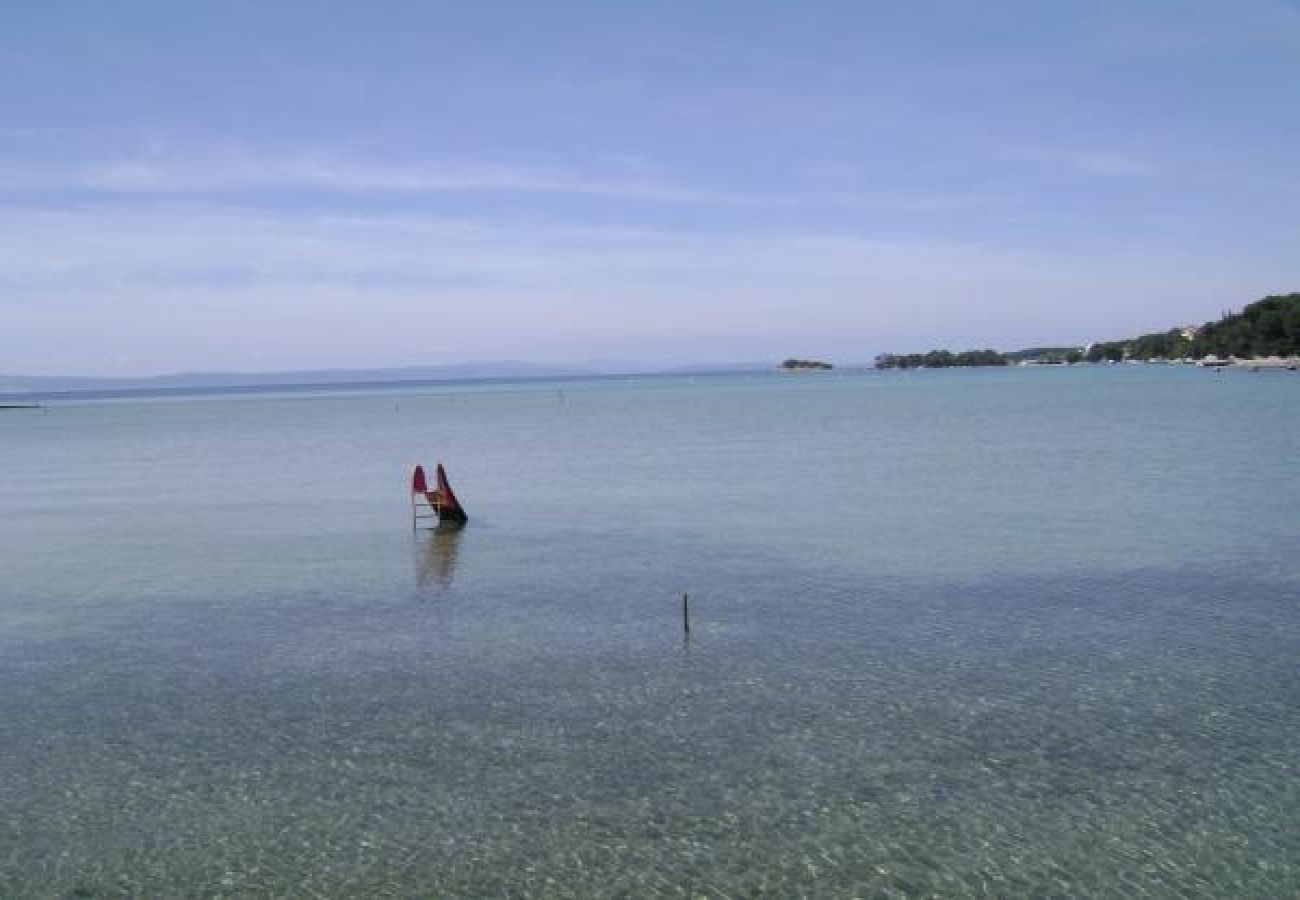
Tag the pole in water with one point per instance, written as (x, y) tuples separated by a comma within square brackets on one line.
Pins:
[(686, 616)]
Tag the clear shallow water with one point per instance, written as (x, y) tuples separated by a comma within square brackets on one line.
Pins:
[(959, 633)]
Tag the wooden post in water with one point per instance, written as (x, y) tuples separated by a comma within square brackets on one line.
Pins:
[(686, 616)]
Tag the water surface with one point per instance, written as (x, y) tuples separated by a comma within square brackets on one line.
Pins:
[(954, 633)]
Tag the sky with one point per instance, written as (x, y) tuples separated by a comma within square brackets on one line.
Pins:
[(260, 186)]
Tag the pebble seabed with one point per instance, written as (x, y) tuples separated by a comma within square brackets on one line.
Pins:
[(1006, 738)]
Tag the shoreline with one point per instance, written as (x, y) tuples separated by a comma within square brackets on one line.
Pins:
[(1266, 362)]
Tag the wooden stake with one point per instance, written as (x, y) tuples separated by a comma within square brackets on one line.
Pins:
[(686, 616)]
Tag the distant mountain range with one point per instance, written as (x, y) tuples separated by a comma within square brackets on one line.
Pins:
[(40, 384)]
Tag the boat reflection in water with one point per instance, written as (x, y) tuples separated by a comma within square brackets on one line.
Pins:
[(436, 548)]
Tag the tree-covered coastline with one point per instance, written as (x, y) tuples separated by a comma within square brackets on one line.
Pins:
[(1267, 327), (941, 359)]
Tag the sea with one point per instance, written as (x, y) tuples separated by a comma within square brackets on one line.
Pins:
[(1028, 632)]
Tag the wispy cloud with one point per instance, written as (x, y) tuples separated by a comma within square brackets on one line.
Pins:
[(243, 173), (208, 286), (1104, 162), (269, 177)]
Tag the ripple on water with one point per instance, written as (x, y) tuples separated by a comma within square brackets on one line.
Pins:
[(1128, 736)]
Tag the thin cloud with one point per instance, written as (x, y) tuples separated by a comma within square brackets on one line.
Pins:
[(246, 176), (1102, 162), (218, 281), (186, 243), (240, 173)]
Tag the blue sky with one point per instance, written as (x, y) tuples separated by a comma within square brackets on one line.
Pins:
[(258, 186)]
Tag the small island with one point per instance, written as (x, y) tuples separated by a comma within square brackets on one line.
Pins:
[(804, 365)]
